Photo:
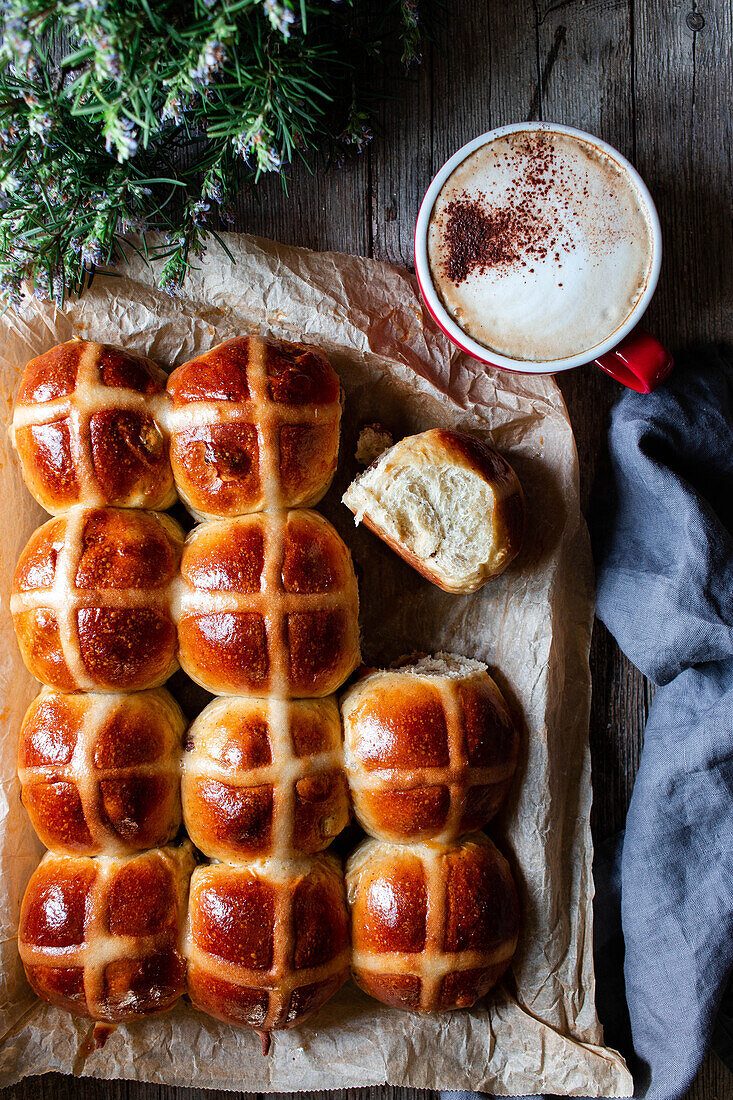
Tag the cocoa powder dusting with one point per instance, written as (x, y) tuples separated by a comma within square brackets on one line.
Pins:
[(478, 236)]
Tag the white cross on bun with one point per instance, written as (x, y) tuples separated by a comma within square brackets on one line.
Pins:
[(430, 748), (268, 605), (100, 774), (91, 600), (88, 426), (103, 937), (433, 926), (268, 941), (264, 777), (254, 425)]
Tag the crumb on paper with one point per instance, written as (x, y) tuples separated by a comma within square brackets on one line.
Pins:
[(374, 440)]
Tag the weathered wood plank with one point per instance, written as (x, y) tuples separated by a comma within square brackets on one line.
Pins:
[(55, 1086), (402, 157), (713, 1082), (637, 73), (462, 80), (684, 78), (321, 210), (318, 209)]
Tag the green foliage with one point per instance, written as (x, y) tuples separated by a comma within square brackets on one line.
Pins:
[(133, 115)]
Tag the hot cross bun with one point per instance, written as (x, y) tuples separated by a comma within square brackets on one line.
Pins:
[(264, 777), (103, 937), (430, 749), (91, 600), (268, 605), (268, 942), (434, 926), (88, 428), (254, 425), (101, 773)]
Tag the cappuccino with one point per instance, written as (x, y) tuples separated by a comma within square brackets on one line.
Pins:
[(539, 245)]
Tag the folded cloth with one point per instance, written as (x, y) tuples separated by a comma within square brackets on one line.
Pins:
[(664, 555), (663, 541)]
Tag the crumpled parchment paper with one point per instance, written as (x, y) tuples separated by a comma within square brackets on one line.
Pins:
[(539, 1032)]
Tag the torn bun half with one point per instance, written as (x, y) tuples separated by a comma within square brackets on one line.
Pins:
[(445, 502)]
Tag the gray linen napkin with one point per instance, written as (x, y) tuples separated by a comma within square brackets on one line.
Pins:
[(665, 591)]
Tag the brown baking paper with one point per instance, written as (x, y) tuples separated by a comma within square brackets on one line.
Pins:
[(539, 1031)]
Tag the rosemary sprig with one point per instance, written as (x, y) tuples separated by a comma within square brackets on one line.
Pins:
[(154, 114)]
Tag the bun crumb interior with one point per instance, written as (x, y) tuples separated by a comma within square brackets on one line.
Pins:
[(451, 665), (437, 512), (448, 504)]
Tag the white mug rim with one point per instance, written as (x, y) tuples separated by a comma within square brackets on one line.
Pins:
[(441, 314)]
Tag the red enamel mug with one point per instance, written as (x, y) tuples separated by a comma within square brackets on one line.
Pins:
[(629, 354)]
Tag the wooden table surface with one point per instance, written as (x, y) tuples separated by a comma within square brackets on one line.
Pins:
[(653, 78)]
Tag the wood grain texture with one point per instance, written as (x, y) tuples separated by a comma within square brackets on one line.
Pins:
[(654, 78)]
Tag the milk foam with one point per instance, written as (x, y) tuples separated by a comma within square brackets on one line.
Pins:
[(573, 275)]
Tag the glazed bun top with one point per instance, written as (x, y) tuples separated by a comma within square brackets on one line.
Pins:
[(434, 926), (268, 941), (268, 605), (254, 426), (91, 600), (100, 774), (264, 777), (88, 426), (430, 748), (103, 937)]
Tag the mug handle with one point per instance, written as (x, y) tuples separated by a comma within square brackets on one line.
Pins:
[(639, 362)]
